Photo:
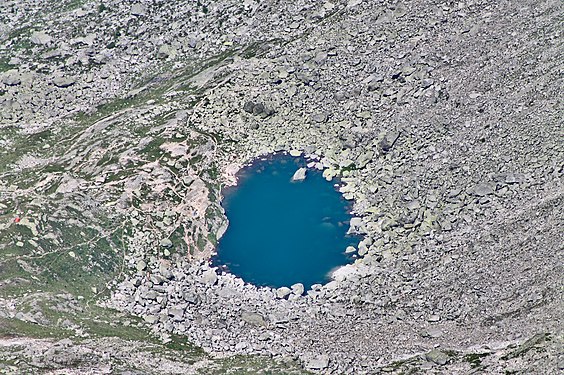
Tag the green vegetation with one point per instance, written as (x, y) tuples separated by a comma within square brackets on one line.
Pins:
[(255, 365), (475, 359), (4, 66), (57, 279)]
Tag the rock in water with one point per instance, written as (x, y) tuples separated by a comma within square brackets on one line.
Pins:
[(300, 174)]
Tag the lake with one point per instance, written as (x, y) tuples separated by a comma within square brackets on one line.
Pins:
[(281, 231)]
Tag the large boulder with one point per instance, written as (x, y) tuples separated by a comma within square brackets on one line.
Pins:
[(40, 38), (139, 10), (317, 363), (209, 277), (253, 318), (63, 82), (300, 174)]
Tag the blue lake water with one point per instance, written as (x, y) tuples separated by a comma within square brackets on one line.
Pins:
[(282, 232)]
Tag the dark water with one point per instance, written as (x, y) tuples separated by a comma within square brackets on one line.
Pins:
[(282, 232)]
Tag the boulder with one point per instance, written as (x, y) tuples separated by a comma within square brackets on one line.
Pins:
[(483, 189), (151, 319), (388, 141), (191, 297), (436, 356), (253, 318), (40, 38), (350, 250), (209, 277), (257, 109), (283, 292), (141, 265), (300, 174), (318, 363), (63, 82), (298, 289), (177, 313), (138, 10), (11, 78), (166, 51), (165, 242)]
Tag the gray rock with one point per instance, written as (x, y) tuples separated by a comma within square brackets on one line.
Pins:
[(177, 313), (278, 317), (320, 362), (356, 222), (437, 356), (298, 289), (434, 318), (191, 297), (283, 292), (141, 265), (11, 78), (40, 38), (320, 117), (257, 109), (388, 141), (248, 106), (253, 318), (483, 189), (350, 250), (166, 51), (300, 174), (209, 277), (514, 178), (165, 272), (138, 9), (151, 319), (433, 333), (149, 294), (241, 345), (165, 242), (427, 82), (63, 82)]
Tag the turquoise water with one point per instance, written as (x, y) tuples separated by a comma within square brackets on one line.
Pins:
[(282, 232)]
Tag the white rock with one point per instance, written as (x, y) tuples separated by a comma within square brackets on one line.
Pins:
[(283, 292), (41, 38), (300, 174), (209, 277), (138, 9), (298, 289)]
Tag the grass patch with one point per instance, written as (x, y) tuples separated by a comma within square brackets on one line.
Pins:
[(475, 359), (4, 66), (11, 328), (254, 365)]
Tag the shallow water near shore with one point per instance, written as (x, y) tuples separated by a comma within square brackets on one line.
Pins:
[(283, 232)]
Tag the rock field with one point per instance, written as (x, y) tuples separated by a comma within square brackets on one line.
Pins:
[(120, 122)]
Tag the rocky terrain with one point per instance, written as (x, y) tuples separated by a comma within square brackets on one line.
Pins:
[(120, 123)]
